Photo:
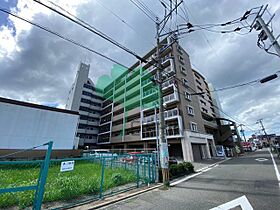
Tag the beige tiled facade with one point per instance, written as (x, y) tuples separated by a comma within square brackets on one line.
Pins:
[(130, 108)]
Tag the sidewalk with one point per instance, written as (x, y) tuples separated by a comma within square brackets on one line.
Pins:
[(200, 167)]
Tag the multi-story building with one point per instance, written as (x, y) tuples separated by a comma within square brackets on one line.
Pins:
[(129, 111), (84, 98), (224, 130)]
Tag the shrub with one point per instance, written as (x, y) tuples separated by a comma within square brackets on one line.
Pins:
[(117, 179), (181, 169), (189, 166)]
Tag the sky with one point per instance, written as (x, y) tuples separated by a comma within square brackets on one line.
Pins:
[(38, 67)]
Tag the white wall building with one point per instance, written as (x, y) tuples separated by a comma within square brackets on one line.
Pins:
[(24, 125), (84, 99)]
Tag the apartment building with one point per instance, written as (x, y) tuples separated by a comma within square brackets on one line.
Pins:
[(223, 130), (83, 97), (129, 111)]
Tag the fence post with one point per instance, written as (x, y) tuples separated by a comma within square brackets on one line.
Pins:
[(137, 173), (153, 171), (39, 194), (149, 170), (102, 179)]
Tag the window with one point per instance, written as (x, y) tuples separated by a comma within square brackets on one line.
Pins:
[(185, 82), (203, 102), (190, 110), (193, 126), (188, 96), (198, 82), (183, 70), (204, 110)]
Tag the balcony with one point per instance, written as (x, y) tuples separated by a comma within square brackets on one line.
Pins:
[(118, 117), (118, 98), (116, 139), (133, 80), (211, 124), (150, 92), (96, 123), (133, 90), (171, 98), (117, 127), (96, 115), (132, 137), (168, 84), (167, 115), (150, 105), (149, 70), (132, 124), (172, 130)]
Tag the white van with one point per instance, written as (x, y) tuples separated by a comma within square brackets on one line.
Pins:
[(98, 153)]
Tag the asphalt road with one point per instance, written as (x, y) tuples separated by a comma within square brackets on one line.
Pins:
[(228, 181)]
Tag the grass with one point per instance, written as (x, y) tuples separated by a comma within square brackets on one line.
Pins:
[(83, 180)]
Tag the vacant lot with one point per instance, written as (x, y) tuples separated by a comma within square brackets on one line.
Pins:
[(83, 180)]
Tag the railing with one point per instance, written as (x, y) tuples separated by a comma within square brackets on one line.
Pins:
[(149, 92), (167, 114), (170, 131), (167, 83), (73, 181), (169, 98), (14, 174)]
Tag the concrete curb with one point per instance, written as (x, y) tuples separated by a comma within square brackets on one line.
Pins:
[(124, 196), (198, 172), (117, 198)]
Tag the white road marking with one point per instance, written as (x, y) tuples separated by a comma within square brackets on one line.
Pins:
[(261, 159), (275, 168), (241, 201), (200, 171)]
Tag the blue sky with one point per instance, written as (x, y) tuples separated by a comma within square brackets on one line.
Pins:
[(4, 17)]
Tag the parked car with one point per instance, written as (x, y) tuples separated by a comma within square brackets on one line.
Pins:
[(131, 157), (249, 146)]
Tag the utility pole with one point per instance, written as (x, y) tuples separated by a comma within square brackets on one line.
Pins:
[(163, 146), (242, 131), (263, 129), (259, 24), (157, 139)]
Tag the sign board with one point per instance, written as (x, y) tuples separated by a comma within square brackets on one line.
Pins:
[(67, 166), (164, 155)]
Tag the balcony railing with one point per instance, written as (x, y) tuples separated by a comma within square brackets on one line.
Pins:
[(149, 92), (170, 131), (167, 83), (167, 114), (170, 98)]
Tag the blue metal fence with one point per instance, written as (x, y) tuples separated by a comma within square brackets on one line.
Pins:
[(92, 178), (39, 187)]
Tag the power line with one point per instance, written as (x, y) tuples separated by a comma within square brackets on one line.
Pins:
[(148, 15), (123, 21), (90, 28), (146, 8), (63, 37)]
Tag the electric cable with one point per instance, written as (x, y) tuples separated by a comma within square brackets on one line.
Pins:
[(90, 28), (63, 37)]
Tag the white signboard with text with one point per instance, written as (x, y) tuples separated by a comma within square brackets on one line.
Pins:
[(67, 166)]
